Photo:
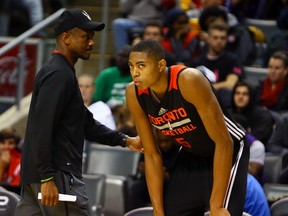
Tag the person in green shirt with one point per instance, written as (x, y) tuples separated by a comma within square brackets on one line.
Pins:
[(112, 82)]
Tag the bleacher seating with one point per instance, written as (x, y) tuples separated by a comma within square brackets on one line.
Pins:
[(8, 202), (143, 211), (272, 168), (268, 27), (280, 207), (254, 74), (117, 164), (96, 188)]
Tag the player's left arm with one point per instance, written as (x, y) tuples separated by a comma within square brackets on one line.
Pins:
[(197, 90)]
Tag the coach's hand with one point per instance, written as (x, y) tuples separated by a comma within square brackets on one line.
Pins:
[(49, 193), (134, 143)]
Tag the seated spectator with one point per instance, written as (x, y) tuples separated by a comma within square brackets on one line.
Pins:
[(100, 110), (112, 82), (256, 203), (273, 90), (196, 12), (179, 40), (259, 118), (278, 144), (223, 64), (240, 39), (137, 13), (279, 39), (153, 30), (10, 158)]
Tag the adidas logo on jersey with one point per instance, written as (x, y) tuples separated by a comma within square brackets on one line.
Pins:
[(162, 111)]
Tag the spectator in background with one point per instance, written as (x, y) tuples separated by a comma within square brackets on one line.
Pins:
[(35, 10), (154, 30), (10, 157), (100, 110), (4, 17), (240, 39), (136, 13), (255, 202), (279, 39), (196, 12), (278, 144), (111, 83), (259, 118), (179, 40), (223, 64), (273, 90)]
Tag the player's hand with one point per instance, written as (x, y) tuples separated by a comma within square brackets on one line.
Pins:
[(49, 193), (134, 143), (219, 212)]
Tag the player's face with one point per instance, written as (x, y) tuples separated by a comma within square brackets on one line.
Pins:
[(217, 40), (145, 71), (276, 70), (81, 43), (241, 97)]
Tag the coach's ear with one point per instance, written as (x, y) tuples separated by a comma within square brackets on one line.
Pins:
[(162, 65)]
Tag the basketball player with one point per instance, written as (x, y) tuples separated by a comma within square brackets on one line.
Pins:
[(211, 168)]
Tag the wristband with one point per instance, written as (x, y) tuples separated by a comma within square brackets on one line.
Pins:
[(47, 179)]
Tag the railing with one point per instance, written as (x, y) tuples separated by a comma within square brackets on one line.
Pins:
[(22, 55)]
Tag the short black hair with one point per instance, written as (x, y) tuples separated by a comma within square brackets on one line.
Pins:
[(211, 12), (151, 47)]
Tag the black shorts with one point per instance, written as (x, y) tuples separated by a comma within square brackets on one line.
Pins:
[(189, 188)]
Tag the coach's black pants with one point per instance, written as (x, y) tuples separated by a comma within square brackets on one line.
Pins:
[(67, 184)]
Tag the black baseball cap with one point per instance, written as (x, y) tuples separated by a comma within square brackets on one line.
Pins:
[(76, 18)]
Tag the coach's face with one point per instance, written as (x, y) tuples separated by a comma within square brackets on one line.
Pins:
[(81, 43)]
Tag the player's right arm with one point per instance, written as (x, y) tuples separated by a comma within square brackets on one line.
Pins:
[(153, 159)]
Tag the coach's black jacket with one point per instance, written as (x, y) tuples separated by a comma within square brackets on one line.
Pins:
[(57, 124)]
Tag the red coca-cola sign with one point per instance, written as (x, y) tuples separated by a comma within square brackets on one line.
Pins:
[(9, 68)]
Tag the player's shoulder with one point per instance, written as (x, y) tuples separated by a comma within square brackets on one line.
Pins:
[(191, 75)]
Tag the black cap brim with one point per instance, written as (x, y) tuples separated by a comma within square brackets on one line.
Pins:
[(93, 26)]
